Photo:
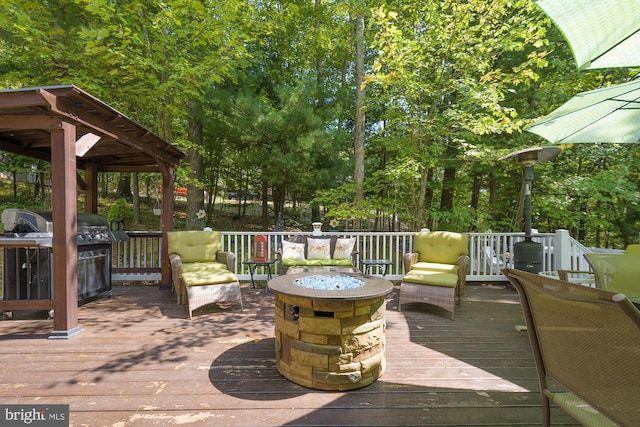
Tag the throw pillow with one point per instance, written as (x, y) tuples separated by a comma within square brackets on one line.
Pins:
[(319, 248), (344, 248), (293, 250)]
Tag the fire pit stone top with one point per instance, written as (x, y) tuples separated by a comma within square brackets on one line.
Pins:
[(331, 285)]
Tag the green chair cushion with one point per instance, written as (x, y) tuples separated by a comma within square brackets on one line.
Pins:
[(194, 267), (195, 246), (211, 277), (616, 272), (433, 278), (433, 266), (633, 249), (441, 247)]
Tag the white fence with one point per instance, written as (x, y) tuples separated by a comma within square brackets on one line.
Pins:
[(139, 258)]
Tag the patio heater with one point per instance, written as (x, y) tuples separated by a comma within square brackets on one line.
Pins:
[(528, 255)]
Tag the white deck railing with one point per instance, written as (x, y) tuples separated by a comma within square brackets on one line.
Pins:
[(139, 258)]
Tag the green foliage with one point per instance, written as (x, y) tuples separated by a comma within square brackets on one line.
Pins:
[(22, 202), (590, 189), (450, 86), (121, 211)]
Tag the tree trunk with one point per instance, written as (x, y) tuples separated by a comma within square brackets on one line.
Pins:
[(315, 212), (104, 184), (358, 138), (475, 197), (448, 181), (124, 186), (422, 197), (136, 198), (319, 63), (195, 195), (265, 205), (15, 184), (493, 196), (278, 194), (476, 186)]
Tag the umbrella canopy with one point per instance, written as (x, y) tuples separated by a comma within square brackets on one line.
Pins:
[(610, 114), (602, 33)]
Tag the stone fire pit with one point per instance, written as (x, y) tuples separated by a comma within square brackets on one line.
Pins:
[(330, 329)]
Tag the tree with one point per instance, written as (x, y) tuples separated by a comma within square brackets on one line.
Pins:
[(268, 96), (439, 80), (358, 133)]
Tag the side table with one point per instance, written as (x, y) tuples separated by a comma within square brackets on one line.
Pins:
[(380, 264), (253, 264)]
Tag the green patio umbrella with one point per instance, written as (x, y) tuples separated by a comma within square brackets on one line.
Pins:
[(602, 33), (610, 114)]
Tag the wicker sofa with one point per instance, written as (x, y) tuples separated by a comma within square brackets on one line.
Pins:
[(317, 251)]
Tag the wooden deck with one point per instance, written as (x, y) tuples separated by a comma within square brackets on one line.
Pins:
[(140, 362)]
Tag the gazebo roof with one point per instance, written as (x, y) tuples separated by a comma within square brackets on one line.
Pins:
[(27, 115)]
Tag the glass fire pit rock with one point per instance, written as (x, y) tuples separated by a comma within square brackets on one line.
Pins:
[(326, 282)]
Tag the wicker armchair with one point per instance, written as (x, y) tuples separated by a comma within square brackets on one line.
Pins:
[(585, 343), (436, 272), (201, 273)]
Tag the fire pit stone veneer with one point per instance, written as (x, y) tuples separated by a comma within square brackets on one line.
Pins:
[(330, 337)]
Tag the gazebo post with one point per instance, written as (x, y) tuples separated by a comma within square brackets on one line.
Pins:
[(65, 250), (167, 220)]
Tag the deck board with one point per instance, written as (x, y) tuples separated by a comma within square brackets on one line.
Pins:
[(140, 362)]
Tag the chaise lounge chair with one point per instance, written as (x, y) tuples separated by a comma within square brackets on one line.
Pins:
[(201, 272)]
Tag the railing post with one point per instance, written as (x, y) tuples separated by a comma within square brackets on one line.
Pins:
[(562, 250)]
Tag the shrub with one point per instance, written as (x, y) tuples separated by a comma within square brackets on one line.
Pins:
[(121, 211)]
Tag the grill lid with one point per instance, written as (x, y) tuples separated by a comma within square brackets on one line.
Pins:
[(91, 228), (26, 221)]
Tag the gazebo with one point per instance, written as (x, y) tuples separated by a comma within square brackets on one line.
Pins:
[(73, 130)]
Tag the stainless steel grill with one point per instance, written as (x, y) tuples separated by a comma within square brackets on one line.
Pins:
[(28, 251)]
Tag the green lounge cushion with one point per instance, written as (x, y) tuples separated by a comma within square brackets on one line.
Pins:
[(194, 267), (210, 277), (433, 278), (434, 266)]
